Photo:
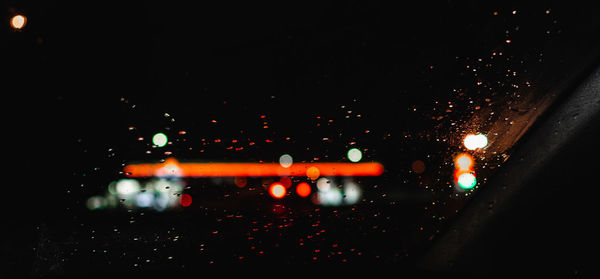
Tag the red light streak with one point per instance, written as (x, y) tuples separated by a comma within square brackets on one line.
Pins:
[(250, 169)]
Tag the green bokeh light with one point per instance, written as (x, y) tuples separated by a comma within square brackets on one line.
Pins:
[(467, 181), (159, 139)]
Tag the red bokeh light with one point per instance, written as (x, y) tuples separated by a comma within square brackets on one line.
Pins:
[(303, 189), (286, 181), (185, 200)]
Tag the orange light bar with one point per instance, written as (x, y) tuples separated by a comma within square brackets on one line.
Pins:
[(174, 168)]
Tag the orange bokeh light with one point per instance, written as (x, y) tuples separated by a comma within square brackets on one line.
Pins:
[(463, 161), (313, 173), (277, 190), (18, 21), (303, 189)]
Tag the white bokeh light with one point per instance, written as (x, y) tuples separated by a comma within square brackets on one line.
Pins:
[(473, 142), (352, 193), (354, 155), (286, 160), (324, 184), (159, 139), (127, 187)]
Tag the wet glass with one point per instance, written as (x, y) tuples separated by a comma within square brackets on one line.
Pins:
[(186, 91)]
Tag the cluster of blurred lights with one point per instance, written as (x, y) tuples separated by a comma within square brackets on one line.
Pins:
[(464, 173), (156, 194), (164, 190), (329, 194)]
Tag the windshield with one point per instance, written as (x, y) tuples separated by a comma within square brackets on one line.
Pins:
[(167, 136)]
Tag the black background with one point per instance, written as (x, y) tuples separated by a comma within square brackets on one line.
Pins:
[(80, 74)]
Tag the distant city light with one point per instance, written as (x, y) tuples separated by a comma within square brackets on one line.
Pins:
[(194, 169), (286, 160), (473, 142), (313, 173), (157, 194), (185, 200), (352, 193), (467, 180), (277, 190), (95, 202), (418, 166), (144, 199), (354, 155), (159, 139), (324, 184), (18, 21), (240, 182), (286, 181), (126, 187), (303, 189), (331, 197), (463, 161)]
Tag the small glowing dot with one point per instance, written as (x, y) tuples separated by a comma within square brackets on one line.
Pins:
[(463, 161), (159, 139), (473, 142), (286, 160), (467, 180), (354, 155), (277, 190), (303, 189), (18, 21)]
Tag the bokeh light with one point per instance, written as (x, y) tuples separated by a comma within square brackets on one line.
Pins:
[(286, 181), (277, 190), (286, 160), (473, 142), (463, 161), (18, 21), (303, 189), (467, 180), (144, 199), (354, 155), (95, 202), (126, 187), (352, 193), (159, 139), (324, 184), (240, 182), (418, 166), (313, 173), (185, 200), (331, 197)]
